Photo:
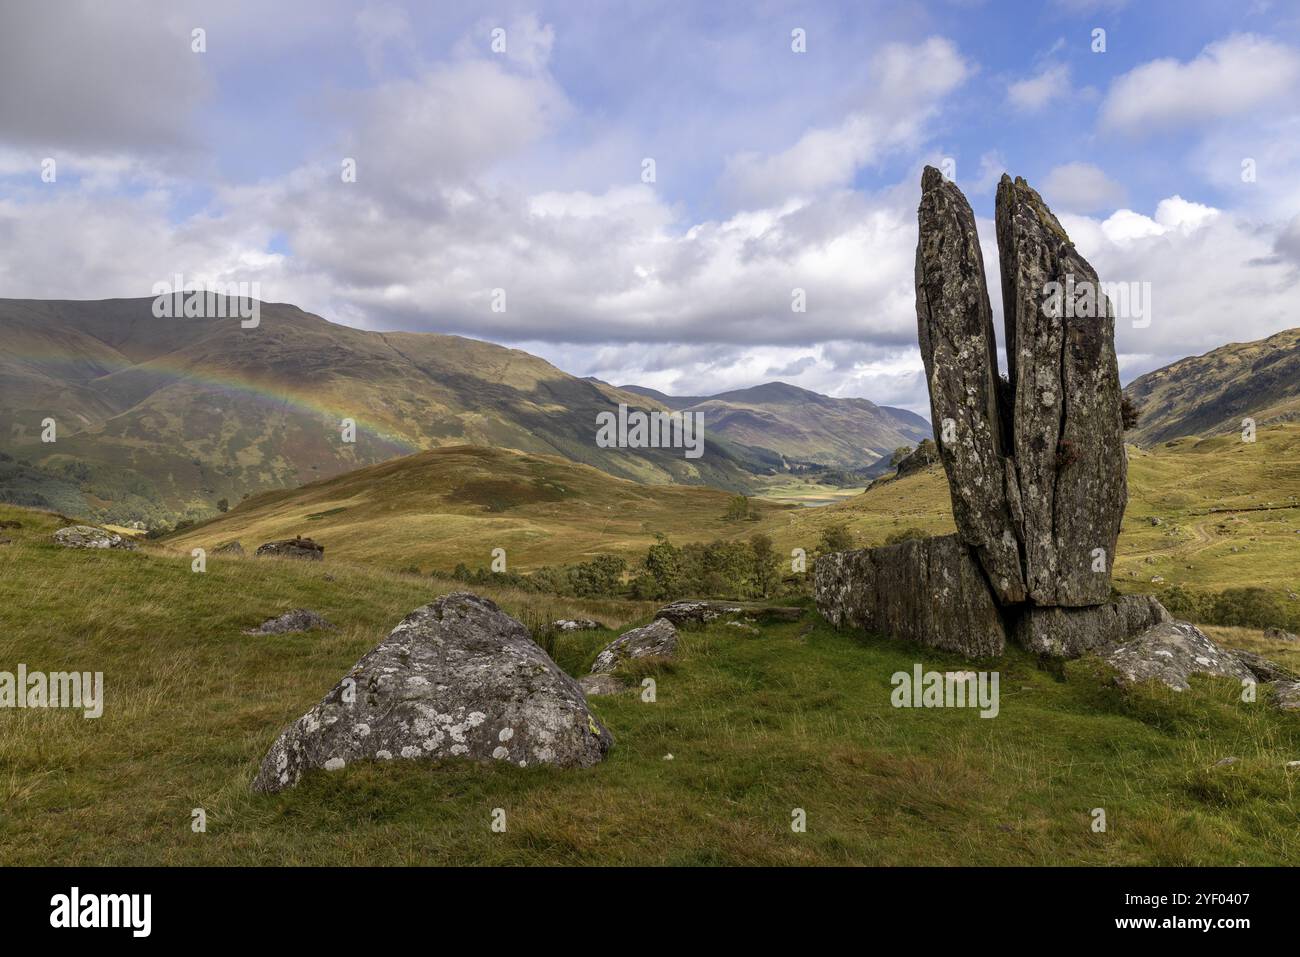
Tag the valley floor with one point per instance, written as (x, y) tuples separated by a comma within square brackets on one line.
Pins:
[(747, 728)]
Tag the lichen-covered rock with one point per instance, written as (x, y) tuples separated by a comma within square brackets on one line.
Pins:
[(300, 619), (456, 678), (701, 612), (1067, 430), (1278, 634), (959, 349), (229, 548), (930, 590), (87, 536), (600, 684), (655, 640), (576, 624), (303, 548), (1171, 652), (1071, 632)]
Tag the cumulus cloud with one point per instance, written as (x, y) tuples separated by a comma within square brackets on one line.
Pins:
[(1228, 77), (908, 82), (1214, 277), (1035, 92), (1081, 188)]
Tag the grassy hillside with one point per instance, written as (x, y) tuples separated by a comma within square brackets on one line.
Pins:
[(1224, 508), (163, 416), (797, 716), (1211, 394), (436, 509), (1227, 510)]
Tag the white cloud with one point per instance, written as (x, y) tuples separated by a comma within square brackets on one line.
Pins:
[(908, 83), (1036, 92), (1227, 78), (1214, 276), (1081, 188)]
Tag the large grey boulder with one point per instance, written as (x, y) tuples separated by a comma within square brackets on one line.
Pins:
[(1067, 429), (457, 678), (655, 640), (1071, 632), (931, 591), (955, 329), (1171, 652), (88, 536)]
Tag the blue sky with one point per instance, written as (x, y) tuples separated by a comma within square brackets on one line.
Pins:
[(521, 169)]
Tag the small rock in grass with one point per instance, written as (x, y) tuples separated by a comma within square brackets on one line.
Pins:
[(656, 640), (576, 624), (87, 536), (600, 684), (300, 619)]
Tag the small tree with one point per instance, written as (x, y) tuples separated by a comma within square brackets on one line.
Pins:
[(767, 566), (836, 538), (737, 509)]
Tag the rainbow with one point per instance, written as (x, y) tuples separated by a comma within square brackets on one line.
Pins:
[(273, 397)]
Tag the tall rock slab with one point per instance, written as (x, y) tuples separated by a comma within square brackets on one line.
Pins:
[(1067, 431), (959, 349)]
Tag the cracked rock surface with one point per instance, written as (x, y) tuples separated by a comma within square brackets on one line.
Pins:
[(1066, 425), (929, 590), (959, 349), (456, 678)]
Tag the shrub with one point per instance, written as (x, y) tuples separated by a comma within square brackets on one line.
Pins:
[(904, 535), (835, 538)]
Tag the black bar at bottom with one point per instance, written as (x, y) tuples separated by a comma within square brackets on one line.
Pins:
[(329, 906)]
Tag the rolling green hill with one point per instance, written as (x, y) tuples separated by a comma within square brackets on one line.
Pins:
[(163, 416), (437, 509), (1211, 394)]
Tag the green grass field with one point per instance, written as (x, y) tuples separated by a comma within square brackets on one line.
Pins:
[(758, 725)]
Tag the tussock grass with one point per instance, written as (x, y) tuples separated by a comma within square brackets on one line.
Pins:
[(797, 716)]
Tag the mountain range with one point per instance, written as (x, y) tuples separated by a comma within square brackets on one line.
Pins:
[(156, 418), (1213, 393), (802, 425)]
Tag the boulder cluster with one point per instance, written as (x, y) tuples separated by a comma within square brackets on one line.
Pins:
[(1035, 460)]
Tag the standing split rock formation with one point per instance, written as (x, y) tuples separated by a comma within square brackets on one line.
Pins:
[(955, 327), (1035, 463), (1067, 429)]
